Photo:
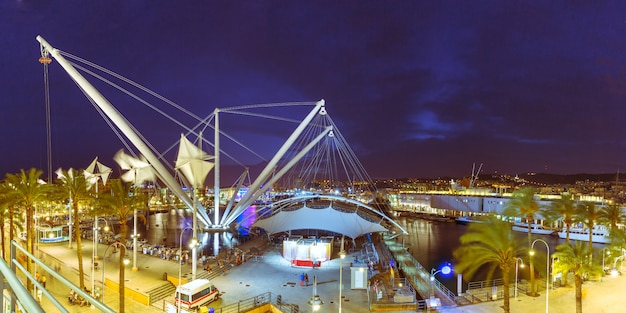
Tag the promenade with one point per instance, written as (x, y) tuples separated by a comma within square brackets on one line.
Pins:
[(271, 273), (268, 273)]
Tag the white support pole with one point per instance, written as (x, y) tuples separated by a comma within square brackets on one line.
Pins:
[(194, 250), (123, 125), (216, 168), (247, 198), (134, 269), (70, 224)]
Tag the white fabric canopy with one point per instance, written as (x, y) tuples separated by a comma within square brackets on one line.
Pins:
[(349, 224), (192, 162)]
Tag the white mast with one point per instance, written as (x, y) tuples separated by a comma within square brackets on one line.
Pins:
[(124, 126), (247, 198), (216, 188)]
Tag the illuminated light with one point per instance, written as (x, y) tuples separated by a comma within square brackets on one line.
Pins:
[(446, 270)]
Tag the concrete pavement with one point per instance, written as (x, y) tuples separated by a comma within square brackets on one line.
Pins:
[(268, 273), (272, 273)]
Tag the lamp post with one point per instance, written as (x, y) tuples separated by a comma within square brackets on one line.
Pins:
[(135, 235), (608, 252), (517, 261), (94, 251), (614, 271), (315, 301), (342, 255), (126, 261), (96, 228), (446, 269), (193, 244), (532, 252)]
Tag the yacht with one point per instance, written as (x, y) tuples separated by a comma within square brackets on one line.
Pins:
[(464, 220), (534, 228), (600, 234)]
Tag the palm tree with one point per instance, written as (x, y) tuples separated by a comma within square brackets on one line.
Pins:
[(7, 218), (121, 201), (25, 190), (588, 214), (565, 210), (612, 215), (74, 187), (573, 257), (523, 204), (489, 244), (4, 212)]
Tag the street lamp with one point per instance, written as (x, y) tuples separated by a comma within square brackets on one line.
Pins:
[(342, 255), (446, 269), (95, 233), (125, 261), (517, 261), (315, 301), (608, 252), (532, 252), (193, 244), (94, 250), (614, 271), (134, 236)]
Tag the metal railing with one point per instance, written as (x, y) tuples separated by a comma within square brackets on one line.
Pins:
[(21, 297), (249, 304), (485, 283), (15, 265)]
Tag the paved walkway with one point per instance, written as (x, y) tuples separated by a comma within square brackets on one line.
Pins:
[(274, 274), (271, 272), (598, 297)]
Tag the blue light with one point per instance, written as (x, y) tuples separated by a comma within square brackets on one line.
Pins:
[(446, 270)]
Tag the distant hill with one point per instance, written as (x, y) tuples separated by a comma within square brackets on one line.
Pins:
[(553, 179)]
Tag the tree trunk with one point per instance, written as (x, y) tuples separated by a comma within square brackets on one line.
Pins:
[(578, 282), (122, 266), (566, 274), (533, 287), (590, 243), (506, 279), (30, 234), (79, 246), (2, 232)]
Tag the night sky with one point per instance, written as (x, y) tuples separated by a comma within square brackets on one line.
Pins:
[(418, 88)]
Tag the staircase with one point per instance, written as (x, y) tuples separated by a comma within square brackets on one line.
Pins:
[(167, 289)]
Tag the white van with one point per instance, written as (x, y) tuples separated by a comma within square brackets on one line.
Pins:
[(196, 293)]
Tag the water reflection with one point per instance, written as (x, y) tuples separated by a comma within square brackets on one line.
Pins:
[(164, 229), (432, 244)]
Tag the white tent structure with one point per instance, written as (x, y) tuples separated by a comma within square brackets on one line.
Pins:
[(324, 212), (314, 150)]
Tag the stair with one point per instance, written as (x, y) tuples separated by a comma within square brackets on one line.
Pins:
[(167, 289)]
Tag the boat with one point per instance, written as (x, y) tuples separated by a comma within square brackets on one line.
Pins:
[(600, 234), (464, 220), (534, 229)]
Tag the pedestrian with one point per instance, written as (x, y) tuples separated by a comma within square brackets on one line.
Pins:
[(43, 281), (39, 295), (306, 279)]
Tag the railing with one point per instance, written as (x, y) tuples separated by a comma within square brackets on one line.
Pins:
[(26, 299), (19, 293), (449, 294), (485, 283), (249, 304)]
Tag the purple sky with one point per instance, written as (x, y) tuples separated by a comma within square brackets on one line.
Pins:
[(418, 88)]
